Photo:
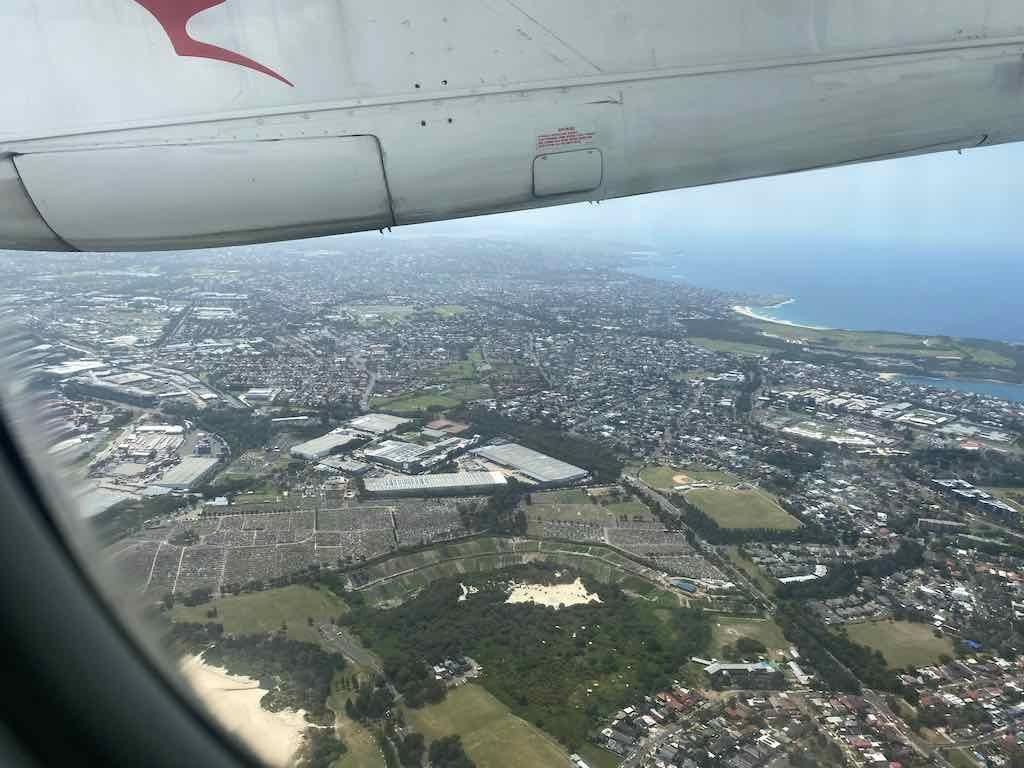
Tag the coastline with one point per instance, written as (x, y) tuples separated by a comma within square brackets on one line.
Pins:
[(752, 313), (234, 701)]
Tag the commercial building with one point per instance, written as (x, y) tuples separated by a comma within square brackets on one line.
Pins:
[(537, 466), (397, 454), (104, 391), (188, 473), (262, 394), (448, 484), (410, 457), (763, 675), (378, 423), (941, 526), (323, 446)]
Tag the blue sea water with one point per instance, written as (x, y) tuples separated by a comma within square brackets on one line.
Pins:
[(859, 286), (1012, 392)]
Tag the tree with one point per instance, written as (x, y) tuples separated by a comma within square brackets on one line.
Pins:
[(747, 646), (411, 749), (447, 752)]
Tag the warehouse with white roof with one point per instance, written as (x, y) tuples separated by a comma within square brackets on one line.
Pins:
[(323, 446), (446, 484), (537, 466)]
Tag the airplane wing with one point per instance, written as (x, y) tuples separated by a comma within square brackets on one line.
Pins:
[(153, 124)]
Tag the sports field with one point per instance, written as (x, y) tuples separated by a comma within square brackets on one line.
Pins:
[(666, 478), (454, 395), (492, 736), (260, 612), (903, 643), (728, 629), (732, 508)]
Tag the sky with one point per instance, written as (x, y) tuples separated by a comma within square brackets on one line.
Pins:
[(945, 200)]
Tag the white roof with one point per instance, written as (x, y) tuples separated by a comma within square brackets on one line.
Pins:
[(536, 465), (378, 423)]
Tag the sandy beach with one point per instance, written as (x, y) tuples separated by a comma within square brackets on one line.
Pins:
[(235, 702), (552, 595), (752, 313)]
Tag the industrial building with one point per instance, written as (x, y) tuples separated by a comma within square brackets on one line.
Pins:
[(104, 391), (537, 466), (410, 457), (397, 454), (448, 484), (763, 675), (190, 472), (941, 526), (323, 446), (378, 423), (262, 394)]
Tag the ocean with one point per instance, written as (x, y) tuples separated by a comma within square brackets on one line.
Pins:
[(1012, 392), (859, 286)]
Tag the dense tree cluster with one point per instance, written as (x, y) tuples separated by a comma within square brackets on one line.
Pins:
[(229, 486), (598, 459), (447, 752), (797, 462), (411, 749), (500, 513), (128, 517), (415, 680), (373, 700), (840, 662), (842, 579), (743, 648), (296, 675), (321, 749), (239, 428), (537, 659)]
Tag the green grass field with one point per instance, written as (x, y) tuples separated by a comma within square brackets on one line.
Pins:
[(492, 736), (765, 583), (596, 757), (461, 370), (564, 496), (742, 509), (728, 629), (259, 612), (451, 397), (449, 310), (631, 509), (734, 347), (362, 749), (666, 478), (877, 342), (903, 643)]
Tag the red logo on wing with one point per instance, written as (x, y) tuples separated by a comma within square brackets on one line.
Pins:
[(174, 16)]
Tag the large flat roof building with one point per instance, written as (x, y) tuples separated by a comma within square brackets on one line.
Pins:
[(447, 484), (190, 472), (395, 453), (323, 446), (378, 423), (537, 466)]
